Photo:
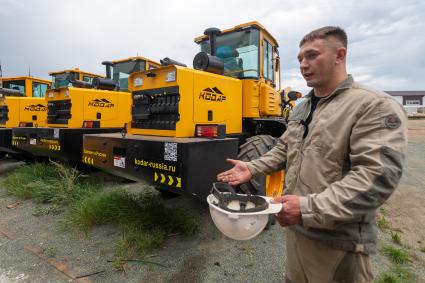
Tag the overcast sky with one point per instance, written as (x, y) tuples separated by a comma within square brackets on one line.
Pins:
[(386, 38)]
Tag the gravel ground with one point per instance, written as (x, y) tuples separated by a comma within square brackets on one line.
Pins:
[(32, 249)]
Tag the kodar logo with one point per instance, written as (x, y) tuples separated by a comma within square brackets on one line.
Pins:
[(38, 107), (101, 103), (213, 94)]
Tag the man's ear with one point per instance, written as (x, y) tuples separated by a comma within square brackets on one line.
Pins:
[(341, 53)]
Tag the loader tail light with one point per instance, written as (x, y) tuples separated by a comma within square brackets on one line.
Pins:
[(211, 131), (25, 124), (91, 124), (88, 124)]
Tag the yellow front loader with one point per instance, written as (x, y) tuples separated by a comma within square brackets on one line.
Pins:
[(185, 122), (82, 103), (22, 104)]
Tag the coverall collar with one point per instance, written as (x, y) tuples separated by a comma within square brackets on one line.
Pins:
[(345, 84)]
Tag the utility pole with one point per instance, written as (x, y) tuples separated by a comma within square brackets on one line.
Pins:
[(1, 76)]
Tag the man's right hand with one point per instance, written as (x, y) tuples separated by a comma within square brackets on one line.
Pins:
[(239, 174)]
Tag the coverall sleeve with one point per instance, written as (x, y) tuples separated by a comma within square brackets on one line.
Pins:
[(378, 143), (273, 160)]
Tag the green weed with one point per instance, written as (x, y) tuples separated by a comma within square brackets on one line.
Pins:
[(398, 256), (144, 220), (395, 236), (118, 264), (397, 274), (48, 183), (382, 223), (50, 252)]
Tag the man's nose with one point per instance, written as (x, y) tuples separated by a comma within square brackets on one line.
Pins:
[(303, 64)]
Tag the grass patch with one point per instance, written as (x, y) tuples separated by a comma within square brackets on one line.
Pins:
[(144, 220), (397, 274), (118, 264), (52, 182), (383, 223), (398, 256), (395, 236), (423, 249), (50, 252)]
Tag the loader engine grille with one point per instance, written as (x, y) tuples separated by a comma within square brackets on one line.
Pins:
[(58, 111), (156, 108), (4, 111)]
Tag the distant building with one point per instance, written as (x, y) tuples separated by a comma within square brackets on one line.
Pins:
[(412, 101)]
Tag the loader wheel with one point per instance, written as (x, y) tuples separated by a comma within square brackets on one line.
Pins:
[(270, 185), (2, 154)]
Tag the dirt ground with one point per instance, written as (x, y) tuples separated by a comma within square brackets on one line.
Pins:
[(405, 210), (32, 249)]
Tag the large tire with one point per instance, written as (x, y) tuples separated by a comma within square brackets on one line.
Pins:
[(2, 154), (252, 149)]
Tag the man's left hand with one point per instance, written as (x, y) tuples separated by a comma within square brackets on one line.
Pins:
[(290, 213)]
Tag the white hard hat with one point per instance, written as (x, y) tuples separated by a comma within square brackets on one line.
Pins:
[(239, 216)]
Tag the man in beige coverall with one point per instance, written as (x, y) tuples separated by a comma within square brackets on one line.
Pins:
[(344, 149)]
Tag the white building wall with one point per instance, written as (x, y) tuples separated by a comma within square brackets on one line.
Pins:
[(411, 109)]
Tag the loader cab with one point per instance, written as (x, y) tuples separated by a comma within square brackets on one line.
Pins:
[(248, 51), (120, 70), (66, 78), (21, 102), (23, 86)]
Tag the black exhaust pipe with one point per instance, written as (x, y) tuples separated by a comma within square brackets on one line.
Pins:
[(106, 84), (108, 65), (10, 92), (167, 61), (212, 34), (206, 62), (82, 84)]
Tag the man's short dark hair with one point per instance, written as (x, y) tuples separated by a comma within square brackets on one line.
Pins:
[(325, 32)]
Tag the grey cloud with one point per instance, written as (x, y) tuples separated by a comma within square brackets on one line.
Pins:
[(386, 42)]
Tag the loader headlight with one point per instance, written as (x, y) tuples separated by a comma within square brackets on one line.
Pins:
[(51, 94), (66, 93), (137, 81), (171, 77)]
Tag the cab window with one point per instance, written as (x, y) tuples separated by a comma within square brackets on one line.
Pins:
[(268, 72), (39, 89), (16, 85), (122, 71), (88, 79), (239, 50)]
